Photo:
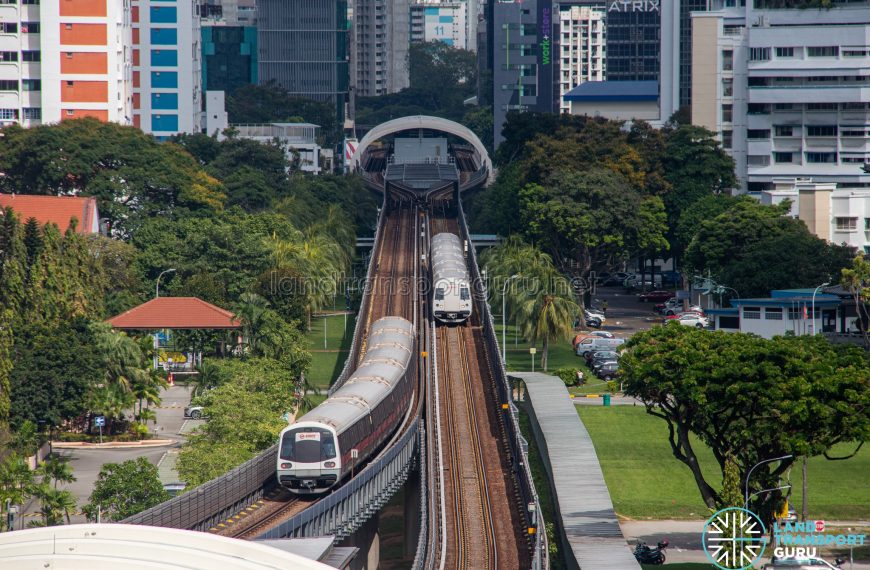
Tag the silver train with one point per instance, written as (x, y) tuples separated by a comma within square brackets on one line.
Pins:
[(451, 297), (323, 446)]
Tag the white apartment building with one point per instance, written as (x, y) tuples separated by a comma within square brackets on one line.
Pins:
[(582, 48), (446, 22), (167, 67), (65, 59), (788, 90)]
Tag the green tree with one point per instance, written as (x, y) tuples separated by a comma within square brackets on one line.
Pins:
[(749, 399), (55, 470), (856, 279), (755, 248), (6, 343), (124, 489), (16, 483), (54, 505), (272, 104)]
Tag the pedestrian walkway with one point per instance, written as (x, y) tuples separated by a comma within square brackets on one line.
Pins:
[(590, 530), (167, 472)]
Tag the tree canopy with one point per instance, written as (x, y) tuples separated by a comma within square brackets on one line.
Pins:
[(124, 489)]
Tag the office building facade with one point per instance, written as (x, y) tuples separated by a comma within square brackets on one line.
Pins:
[(381, 39), (167, 73), (786, 90), (65, 60), (302, 48), (582, 45), (633, 37), (229, 57)]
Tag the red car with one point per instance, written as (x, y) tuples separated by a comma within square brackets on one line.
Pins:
[(655, 296)]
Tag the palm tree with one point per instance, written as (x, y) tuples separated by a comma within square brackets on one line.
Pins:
[(124, 367), (252, 312), (543, 302), (55, 504), (56, 470)]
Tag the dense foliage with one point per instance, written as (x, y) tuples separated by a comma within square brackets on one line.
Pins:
[(749, 399), (124, 489)]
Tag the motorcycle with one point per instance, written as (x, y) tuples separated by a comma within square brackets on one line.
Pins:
[(646, 555)]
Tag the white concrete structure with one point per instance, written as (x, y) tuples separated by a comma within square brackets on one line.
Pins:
[(64, 60), (839, 215), (133, 547), (582, 48), (215, 118), (446, 22), (167, 67), (788, 90), (299, 141)]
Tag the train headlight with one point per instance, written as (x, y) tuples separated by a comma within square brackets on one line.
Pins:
[(329, 464), (286, 465)]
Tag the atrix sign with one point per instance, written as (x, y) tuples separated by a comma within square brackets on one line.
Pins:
[(634, 6)]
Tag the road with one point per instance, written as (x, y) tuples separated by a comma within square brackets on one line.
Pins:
[(86, 463)]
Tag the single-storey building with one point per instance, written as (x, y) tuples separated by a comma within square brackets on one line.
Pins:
[(786, 311), (617, 100)]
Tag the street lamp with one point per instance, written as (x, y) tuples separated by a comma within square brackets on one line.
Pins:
[(813, 317), (503, 325), (157, 289), (749, 476)]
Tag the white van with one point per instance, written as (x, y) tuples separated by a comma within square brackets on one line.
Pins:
[(590, 344)]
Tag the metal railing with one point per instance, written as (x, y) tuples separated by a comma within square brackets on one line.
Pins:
[(517, 444)]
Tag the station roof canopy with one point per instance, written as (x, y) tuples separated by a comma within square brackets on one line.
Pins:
[(175, 313), (592, 91)]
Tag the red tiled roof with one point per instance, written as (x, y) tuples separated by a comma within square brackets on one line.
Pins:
[(58, 210), (175, 313)]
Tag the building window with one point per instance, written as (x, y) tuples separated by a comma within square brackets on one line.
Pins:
[(867, 224), (727, 87), (8, 28), (727, 139), (773, 313), (31, 85), (8, 114), (727, 60), (758, 160), (783, 106), (33, 113), (782, 157), (795, 314), (822, 131), (727, 113), (8, 56), (70, 113), (853, 132), (785, 52), (823, 51), (856, 53), (8, 85), (846, 224), (31, 55), (822, 157), (783, 130), (821, 106), (759, 54), (29, 27), (751, 312), (758, 134), (758, 109)]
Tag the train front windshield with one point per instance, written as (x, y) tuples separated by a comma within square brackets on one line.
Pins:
[(308, 445)]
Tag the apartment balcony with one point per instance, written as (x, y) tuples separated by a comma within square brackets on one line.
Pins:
[(855, 143), (787, 144), (821, 143), (758, 147), (807, 94)]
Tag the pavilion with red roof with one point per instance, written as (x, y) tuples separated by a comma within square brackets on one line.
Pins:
[(175, 313)]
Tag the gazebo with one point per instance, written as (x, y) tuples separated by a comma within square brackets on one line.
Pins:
[(175, 313)]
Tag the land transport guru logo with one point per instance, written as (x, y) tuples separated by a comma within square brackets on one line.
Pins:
[(735, 538)]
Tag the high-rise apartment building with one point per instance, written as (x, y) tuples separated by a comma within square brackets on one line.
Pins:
[(302, 48), (786, 89), (65, 59), (446, 22), (382, 32), (582, 48), (167, 74)]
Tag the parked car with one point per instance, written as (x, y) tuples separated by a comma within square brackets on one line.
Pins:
[(194, 412), (809, 563), (672, 307), (690, 319), (599, 364), (602, 355), (608, 372), (591, 344), (657, 296), (602, 334)]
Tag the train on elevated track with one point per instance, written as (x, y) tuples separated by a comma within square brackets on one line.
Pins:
[(326, 444), (451, 290)]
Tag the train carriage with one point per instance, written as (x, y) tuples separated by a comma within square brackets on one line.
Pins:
[(451, 291), (321, 449)]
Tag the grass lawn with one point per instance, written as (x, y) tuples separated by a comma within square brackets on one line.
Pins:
[(647, 482), (518, 357), (326, 363)]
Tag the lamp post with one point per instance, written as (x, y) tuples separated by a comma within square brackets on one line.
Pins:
[(813, 317), (162, 273), (503, 325), (749, 476)]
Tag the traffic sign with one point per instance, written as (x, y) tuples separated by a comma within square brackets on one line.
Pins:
[(100, 421), (533, 350)]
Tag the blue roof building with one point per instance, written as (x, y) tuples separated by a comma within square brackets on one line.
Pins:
[(617, 100), (786, 311)]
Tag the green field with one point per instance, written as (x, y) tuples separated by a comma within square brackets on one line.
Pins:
[(326, 363), (647, 482)]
